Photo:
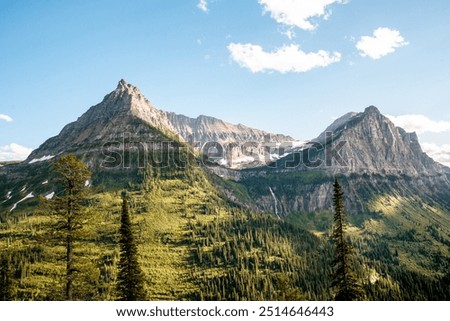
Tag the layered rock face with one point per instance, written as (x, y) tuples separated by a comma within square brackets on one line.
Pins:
[(370, 155), (373, 144), (366, 149), (125, 114), (364, 143)]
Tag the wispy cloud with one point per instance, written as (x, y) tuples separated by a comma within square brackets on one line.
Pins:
[(440, 153), (288, 32), (203, 5), (6, 118), (420, 124), (383, 42), (285, 59), (14, 151), (298, 13)]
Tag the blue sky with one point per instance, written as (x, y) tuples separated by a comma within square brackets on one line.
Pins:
[(284, 66)]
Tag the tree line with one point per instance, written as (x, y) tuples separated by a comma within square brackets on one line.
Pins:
[(259, 257)]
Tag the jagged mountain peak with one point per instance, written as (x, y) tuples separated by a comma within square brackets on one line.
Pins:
[(369, 142), (126, 110), (372, 109), (371, 116), (124, 87), (122, 83), (373, 144)]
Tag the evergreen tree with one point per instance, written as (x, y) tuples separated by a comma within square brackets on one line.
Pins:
[(130, 280), (286, 291), (69, 208), (6, 286), (343, 277)]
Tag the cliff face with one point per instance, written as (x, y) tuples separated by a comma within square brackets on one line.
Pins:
[(363, 143), (367, 151), (125, 114), (373, 144), (205, 129)]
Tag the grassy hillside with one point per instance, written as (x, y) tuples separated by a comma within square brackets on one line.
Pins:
[(196, 245)]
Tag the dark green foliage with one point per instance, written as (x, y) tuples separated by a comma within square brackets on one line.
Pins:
[(222, 251), (343, 277), (130, 280), (286, 291), (262, 258), (6, 278), (69, 208)]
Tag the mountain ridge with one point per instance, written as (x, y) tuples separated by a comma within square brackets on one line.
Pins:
[(121, 109)]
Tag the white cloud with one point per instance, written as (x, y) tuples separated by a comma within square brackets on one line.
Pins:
[(6, 118), (298, 13), (288, 33), (14, 151), (419, 124), (203, 5), (383, 42), (440, 153), (285, 59)]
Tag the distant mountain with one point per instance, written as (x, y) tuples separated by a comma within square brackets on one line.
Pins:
[(367, 150), (371, 143)]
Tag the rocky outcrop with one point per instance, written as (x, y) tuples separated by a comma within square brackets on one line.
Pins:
[(365, 143), (205, 129), (373, 144)]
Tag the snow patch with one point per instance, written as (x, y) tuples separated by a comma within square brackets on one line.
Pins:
[(86, 183), (222, 162), (50, 196), (31, 195), (297, 143), (246, 159), (23, 188), (45, 182), (8, 196), (43, 158)]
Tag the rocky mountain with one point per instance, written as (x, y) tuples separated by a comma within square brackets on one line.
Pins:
[(367, 150), (125, 114), (356, 144), (370, 143)]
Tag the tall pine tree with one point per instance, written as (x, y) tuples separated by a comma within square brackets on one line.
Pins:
[(6, 285), (343, 277), (69, 207), (130, 280)]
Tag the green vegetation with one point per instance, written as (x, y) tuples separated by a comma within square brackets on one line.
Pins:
[(69, 210), (6, 286), (344, 279), (130, 280), (192, 242)]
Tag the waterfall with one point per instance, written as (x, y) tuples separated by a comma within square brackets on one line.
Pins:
[(275, 201)]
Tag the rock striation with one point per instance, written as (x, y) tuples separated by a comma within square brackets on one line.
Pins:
[(125, 113)]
